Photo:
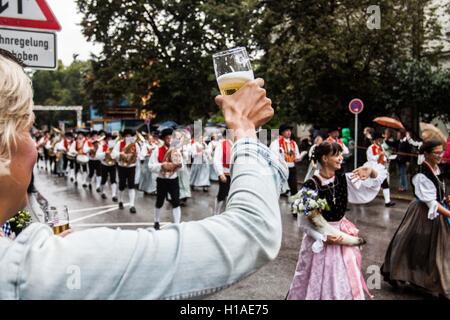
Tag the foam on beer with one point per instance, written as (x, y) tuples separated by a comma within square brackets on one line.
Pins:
[(229, 83)]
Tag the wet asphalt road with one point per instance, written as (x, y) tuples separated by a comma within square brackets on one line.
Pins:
[(376, 223)]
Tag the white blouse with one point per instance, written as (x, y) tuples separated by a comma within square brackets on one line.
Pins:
[(425, 191)]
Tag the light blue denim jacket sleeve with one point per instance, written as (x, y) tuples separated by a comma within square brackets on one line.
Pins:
[(182, 261)]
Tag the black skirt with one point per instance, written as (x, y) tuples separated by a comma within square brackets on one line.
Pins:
[(419, 252)]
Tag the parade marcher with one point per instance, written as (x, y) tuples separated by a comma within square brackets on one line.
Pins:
[(210, 151), (126, 152), (327, 270), (419, 252), (147, 181), (108, 167), (62, 147), (222, 156), (288, 149), (40, 140), (404, 150), (375, 154), (94, 164), (139, 264), (167, 180), (49, 152), (313, 165), (184, 175), (200, 164), (80, 147)]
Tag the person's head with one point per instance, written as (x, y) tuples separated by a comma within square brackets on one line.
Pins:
[(334, 132), (286, 131), (401, 134), (387, 133), (318, 140), (329, 155), (377, 138), (81, 136), (17, 150), (433, 150), (368, 131), (166, 136)]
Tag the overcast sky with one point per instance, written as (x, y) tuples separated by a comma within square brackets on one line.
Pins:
[(70, 38)]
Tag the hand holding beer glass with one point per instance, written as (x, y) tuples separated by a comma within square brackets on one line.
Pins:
[(58, 219)]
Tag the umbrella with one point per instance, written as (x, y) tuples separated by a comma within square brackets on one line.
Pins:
[(167, 124), (429, 131), (389, 122)]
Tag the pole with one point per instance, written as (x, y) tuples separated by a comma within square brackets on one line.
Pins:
[(356, 141)]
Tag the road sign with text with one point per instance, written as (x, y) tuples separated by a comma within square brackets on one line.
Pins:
[(37, 49), (34, 14)]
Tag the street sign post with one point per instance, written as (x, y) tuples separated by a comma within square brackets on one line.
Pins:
[(37, 49), (34, 14), (356, 106)]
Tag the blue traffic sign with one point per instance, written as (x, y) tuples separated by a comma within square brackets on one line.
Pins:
[(356, 106)]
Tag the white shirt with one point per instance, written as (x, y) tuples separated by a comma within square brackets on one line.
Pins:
[(155, 166), (218, 159), (425, 191), (275, 147)]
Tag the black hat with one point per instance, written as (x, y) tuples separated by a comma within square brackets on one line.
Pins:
[(376, 136), (127, 131), (334, 128), (285, 127), (166, 132)]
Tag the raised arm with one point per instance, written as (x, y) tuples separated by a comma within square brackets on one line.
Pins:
[(181, 261)]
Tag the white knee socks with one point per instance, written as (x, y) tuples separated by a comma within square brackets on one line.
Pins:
[(132, 196), (387, 195), (176, 212), (157, 214), (114, 189)]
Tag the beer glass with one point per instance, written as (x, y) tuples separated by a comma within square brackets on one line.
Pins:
[(233, 69), (58, 218)]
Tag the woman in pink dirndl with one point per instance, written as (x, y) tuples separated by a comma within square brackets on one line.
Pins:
[(327, 270)]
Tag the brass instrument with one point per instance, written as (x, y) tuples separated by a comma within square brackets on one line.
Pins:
[(174, 154), (130, 151)]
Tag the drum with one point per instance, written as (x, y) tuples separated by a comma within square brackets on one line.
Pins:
[(82, 159), (71, 156)]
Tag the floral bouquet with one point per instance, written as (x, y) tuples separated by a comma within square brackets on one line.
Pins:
[(307, 201), (20, 221)]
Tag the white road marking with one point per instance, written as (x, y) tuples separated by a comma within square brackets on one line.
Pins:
[(119, 224), (94, 208), (98, 213)]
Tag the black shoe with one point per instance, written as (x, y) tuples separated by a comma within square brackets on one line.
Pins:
[(90, 186), (84, 185), (132, 210), (390, 204), (294, 215), (75, 183), (71, 179), (104, 196), (98, 190), (156, 226), (114, 199), (121, 205)]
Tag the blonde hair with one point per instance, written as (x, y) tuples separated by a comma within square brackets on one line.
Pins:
[(16, 108)]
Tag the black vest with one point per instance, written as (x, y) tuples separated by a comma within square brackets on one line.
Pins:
[(339, 186), (440, 185)]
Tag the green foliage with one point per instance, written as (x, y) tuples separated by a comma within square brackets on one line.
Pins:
[(159, 52), (314, 55), (63, 87), (20, 221)]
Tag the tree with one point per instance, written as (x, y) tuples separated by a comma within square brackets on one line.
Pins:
[(158, 53), (63, 87), (319, 55)]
